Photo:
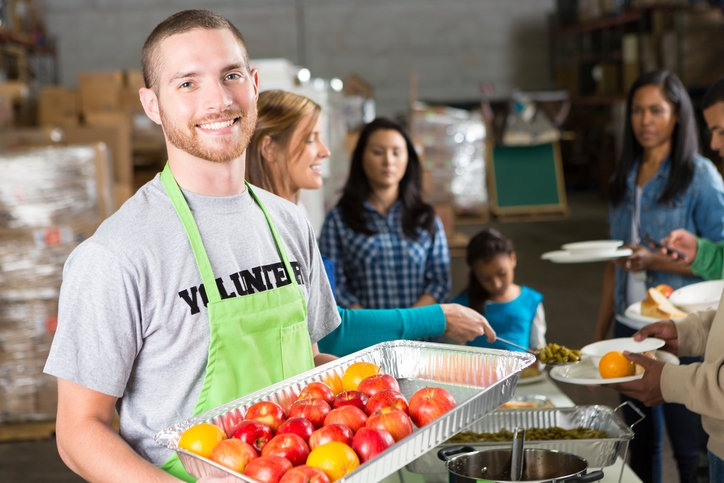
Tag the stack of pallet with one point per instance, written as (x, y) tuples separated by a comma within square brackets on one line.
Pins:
[(51, 199)]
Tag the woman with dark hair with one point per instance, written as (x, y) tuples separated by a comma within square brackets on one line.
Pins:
[(660, 183), (388, 246)]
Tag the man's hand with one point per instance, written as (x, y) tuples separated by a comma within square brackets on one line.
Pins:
[(463, 324), (648, 388), (664, 330), (683, 241)]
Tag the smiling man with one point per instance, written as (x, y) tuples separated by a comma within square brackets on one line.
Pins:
[(200, 289)]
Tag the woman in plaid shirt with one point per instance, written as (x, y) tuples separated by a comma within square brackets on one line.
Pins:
[(388, 246)]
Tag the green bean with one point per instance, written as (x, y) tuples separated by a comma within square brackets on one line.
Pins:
[(531, 434)]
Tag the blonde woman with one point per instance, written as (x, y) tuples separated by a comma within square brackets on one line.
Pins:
[(284, 156)]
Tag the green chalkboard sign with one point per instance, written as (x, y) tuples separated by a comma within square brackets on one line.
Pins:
[(526, 179)]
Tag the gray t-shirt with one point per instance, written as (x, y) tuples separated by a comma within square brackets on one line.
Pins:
[(132, 322)]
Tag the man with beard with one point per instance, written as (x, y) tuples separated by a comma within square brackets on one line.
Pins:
[(200, 289)]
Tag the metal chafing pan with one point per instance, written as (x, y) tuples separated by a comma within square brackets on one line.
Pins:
[(480, 380), (597, 452)]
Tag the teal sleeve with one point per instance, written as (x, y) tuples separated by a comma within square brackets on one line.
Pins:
[(366, 327), (709, 261)]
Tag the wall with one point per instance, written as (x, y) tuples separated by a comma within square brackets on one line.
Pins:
[(451, 45)]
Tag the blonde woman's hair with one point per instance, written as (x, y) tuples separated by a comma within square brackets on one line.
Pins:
[(279, 115)]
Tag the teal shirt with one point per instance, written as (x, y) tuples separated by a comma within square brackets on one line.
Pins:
[(709, 261), (366, 327)]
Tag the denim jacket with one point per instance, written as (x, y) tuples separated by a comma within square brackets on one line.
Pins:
[(699, 210)]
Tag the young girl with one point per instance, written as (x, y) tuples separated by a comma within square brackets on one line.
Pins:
[(514, 311)]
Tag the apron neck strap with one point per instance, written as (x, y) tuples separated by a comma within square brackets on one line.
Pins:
[(192, 231), (275, 234)]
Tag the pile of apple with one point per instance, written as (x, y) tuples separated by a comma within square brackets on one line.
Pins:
[(273, 447)]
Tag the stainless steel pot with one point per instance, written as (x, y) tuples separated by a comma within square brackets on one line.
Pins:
[(465, 465)]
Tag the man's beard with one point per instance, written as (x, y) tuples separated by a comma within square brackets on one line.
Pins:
[(186, 139)]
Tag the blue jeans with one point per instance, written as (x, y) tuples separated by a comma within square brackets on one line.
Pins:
[(681, 424), (716, 469)]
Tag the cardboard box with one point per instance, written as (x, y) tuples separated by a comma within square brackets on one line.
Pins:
[(118, 140), (130, 100), (107, 118), (134, 79), (15, 90), (100, 91), (58, 106), (25, 138)]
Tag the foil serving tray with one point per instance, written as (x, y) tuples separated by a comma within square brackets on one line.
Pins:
[(597, 452), (480, 380)]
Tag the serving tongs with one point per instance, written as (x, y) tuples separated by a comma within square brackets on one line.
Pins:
[(517, 454), (536, 353)]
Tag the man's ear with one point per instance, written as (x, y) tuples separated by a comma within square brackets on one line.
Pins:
[(150, 104), (269, 149)]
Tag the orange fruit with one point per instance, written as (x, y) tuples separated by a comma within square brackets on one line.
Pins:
[(614, 364), (335, 459), (334, 381), (201, 439), (356, 373)]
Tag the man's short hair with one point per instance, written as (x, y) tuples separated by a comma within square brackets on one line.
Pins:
[(714, 94), (179, 23)]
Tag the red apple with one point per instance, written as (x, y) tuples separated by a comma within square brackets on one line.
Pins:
[(289, 446), (667, 290), (384, 399), (268, 469), (253, 432), (380, 382), (428, 404), (350, 398), (304, 474), (352, 417), (369, 442), (267, 412), (392, 420), (314, 409), (332, 432), (299, 426), (233, 454), (319, 390)]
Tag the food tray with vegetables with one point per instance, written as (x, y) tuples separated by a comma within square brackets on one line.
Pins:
[(598, 451), (480, 380)]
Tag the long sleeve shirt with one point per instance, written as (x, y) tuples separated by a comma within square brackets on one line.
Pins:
[(700, 385), (386, 270)]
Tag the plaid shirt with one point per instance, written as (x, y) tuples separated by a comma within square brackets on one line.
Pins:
[(386, 270)]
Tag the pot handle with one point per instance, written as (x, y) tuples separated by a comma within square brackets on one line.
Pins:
[(592, 476), (445, 453), (636, 410)]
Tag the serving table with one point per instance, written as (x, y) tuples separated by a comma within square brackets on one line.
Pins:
[(545, 387)]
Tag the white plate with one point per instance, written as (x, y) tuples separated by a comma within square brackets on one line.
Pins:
[(593, 247), (586, 374), (566, 256), (698, 296), (633, 313), (595, 351)]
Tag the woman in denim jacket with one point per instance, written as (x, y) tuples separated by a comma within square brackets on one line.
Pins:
[(660, 184)]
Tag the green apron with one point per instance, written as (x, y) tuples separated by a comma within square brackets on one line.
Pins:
[(266, 331)]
